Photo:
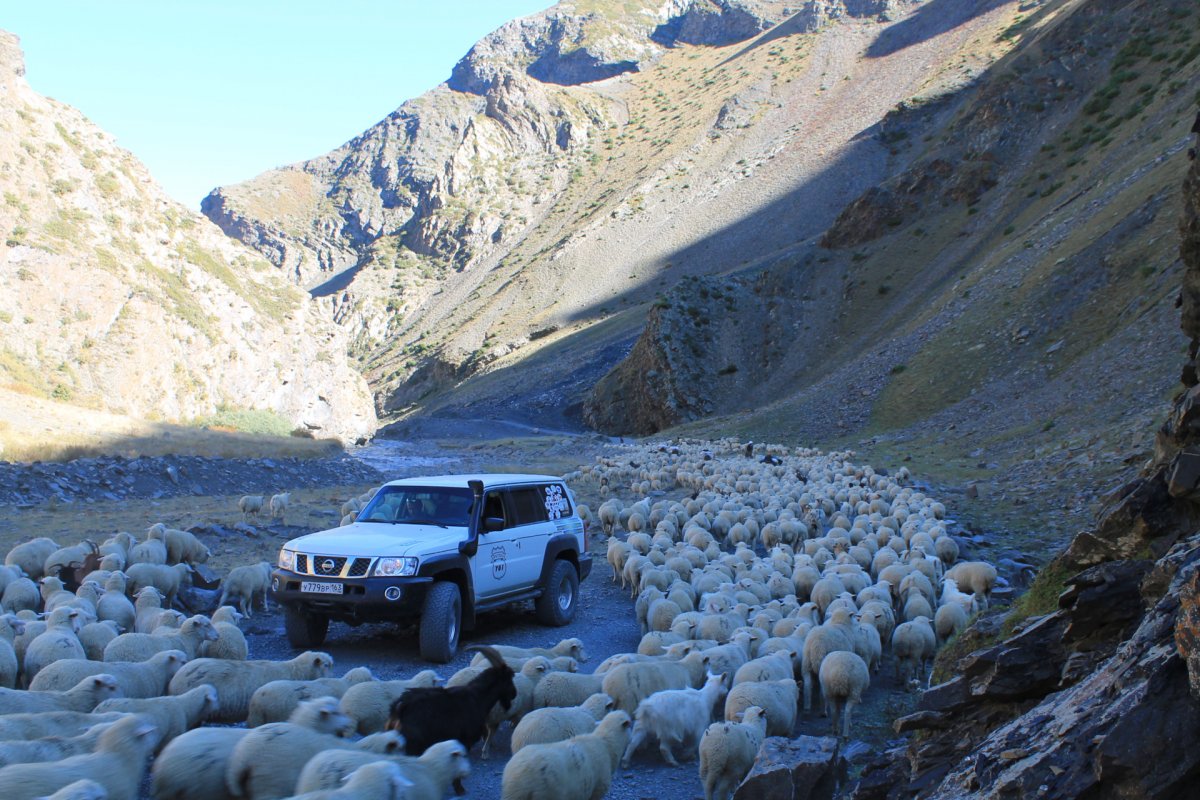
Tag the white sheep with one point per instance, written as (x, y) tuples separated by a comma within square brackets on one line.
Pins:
[(173, 716), (166, 579), (676, 718), (567, 647), (83, 697), (141, 646), (777, 699), (630, 684), (230, 642), (151, 551), (250, 505), (118, 765), (53, 748), (844, 677), (949, 620), (148, 609), (192, 766), (727, 752), (430, 776), (60, 640), (566, 689), (543, 725), (265, 764), (136, 679), (31, 556), (275, 701), (368, 703), (42, 724), (774, 667), (581, 768), (21, 595), (69, 557), (246, 583), (913, 644), (236, 681), (279, 505), (376, 780), (978, 576), (182, 546), (95, 636)]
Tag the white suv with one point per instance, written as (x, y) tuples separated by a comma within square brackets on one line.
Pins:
[(441, 549)]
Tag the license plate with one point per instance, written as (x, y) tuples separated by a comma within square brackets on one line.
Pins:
[(316, 587)]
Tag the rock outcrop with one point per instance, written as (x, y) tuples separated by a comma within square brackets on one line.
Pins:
[(1099, 697), (117, 298)]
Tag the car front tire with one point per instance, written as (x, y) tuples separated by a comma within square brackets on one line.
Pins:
[(441, 622), (305, 631), (556, 605)]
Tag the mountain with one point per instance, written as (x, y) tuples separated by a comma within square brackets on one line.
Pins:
[(114, 297)]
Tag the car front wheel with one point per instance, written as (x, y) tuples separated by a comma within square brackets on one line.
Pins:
[(304, 631), (556, 605), (440, 622)]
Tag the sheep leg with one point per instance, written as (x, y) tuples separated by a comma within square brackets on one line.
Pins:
[(846, 719), (664, 748), (635, 741), (808, 686)]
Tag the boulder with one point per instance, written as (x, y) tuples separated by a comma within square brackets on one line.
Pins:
[(793, 769)]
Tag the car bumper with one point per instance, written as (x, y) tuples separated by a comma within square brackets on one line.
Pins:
[(361, 599), (585, 565)]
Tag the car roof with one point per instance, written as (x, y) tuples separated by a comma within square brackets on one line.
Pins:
[(490, 480)]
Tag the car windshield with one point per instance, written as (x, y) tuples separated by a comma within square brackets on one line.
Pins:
[(419, 505)]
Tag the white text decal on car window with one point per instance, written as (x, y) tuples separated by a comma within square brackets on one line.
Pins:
[(556, 502)]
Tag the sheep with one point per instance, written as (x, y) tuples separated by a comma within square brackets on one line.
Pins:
[(567, 647), (608, 513), (773, 667), (172, 716), (275, 701), (676, 718), (141, 646), (245, 583), (83, 697), (192, 765), (264, 764), (279, 505), (251, 505), (147, 609), (836, 634), (85, 789), (59, 641), (31, 556), (375, 780), (434, 714), (978, 576), (543, 725), (69, 557), (237, 680), (182, 546), (55, 595), (949, 620), (51, 748), (951, 595), (630, 684), (727, 752), (151, 551), (10, 666), (430, 776), (118, 765), (95, 636), (524, 681), (580, 768), (136, 679), (844, 677), (777, 699), (913, 644), (565, 689), (21, 595), (367, 703), (168, 580), (40, 724), (230, 642)]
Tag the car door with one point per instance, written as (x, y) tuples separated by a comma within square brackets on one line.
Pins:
[(497, 549), (531, 531)]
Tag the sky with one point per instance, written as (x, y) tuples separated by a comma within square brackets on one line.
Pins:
[(212, 93)]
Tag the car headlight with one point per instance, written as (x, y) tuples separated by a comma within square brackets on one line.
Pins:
[(287, 560), (396, 567)]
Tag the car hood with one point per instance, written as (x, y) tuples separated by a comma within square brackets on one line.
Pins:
[(371, 539)]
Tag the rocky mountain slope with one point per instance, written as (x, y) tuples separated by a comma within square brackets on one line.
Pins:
[(113, 297)]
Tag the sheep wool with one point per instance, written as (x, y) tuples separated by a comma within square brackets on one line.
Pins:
[(581, 768)]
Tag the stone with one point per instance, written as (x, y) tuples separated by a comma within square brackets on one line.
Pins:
[(1183, 477), (793, 769), (1187, 630)]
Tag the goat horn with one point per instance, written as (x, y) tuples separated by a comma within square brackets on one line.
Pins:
[(490, 653)]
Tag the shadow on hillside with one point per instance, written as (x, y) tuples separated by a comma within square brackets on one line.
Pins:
[(929, 20), (798, 23)]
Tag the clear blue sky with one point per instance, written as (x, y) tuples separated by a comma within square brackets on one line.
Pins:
[(215, 92)]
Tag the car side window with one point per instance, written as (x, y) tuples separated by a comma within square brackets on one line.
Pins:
[(527, 506), (493, 506)]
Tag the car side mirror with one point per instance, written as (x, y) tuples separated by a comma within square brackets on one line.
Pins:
[(493, 524)]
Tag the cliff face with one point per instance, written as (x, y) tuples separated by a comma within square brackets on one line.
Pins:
[(114, 297), (1099, 695)]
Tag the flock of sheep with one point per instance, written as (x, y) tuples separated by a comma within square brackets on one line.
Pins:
[(773, 574)]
